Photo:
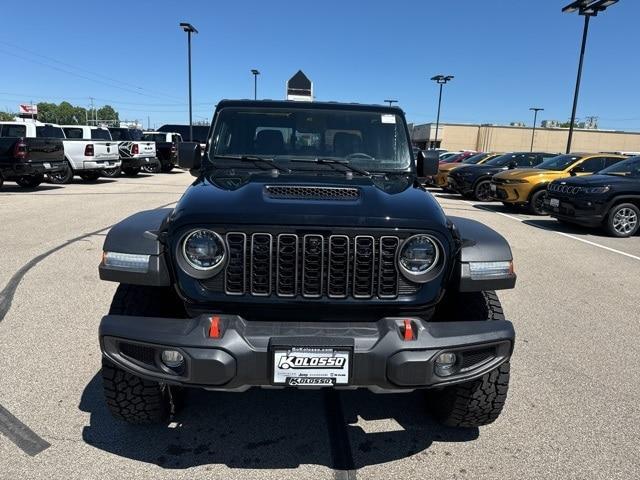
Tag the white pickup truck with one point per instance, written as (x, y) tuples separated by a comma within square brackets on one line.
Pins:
[(134, 151)]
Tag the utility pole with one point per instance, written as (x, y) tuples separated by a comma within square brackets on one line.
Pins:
[(93, 111), (535, 119), (440, 80), (189, 29)]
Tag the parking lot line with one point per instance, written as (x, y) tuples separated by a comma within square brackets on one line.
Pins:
[(16, 431), (613, 250)]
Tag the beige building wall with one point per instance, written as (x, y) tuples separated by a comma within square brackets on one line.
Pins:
[(491, 138)]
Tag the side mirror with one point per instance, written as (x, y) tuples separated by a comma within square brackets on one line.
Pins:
[(576, 170), (427, 163), (190, 156)]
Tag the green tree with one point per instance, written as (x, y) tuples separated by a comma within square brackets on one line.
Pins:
[(7, 116), (108, 113), (47, 112), (65, 113)]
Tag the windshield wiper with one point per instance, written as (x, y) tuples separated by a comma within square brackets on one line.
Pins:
[(332, 161), (256, 159)]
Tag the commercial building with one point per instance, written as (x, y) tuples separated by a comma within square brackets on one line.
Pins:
[(499, 138)]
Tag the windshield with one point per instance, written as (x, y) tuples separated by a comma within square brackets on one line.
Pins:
[(627, 168), (561, 162), (368, 140), (123, 134), (473, 159), (501, 160), (154, 137)]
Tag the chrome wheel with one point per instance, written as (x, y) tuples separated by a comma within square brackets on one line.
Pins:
[(625, 221)]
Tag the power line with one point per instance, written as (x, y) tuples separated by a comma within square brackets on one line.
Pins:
[(84, 70)]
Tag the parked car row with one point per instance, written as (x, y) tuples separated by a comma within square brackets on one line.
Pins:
[(591, 189), (32, 152)]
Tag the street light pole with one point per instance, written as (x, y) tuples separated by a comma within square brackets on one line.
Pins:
[(255, 83), (440, 80), (588, 9), (535, 119), (390, 102), (187, 27)]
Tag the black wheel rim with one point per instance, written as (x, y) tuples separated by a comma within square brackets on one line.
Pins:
[(538, 203), (483, 192)]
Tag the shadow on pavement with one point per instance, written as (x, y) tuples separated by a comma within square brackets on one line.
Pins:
[(273, 429)]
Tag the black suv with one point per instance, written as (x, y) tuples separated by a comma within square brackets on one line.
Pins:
[(611, 198), (306, 254), (475, 180)]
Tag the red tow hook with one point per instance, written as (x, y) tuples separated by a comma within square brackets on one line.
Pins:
[(214, 327), (407, 331)]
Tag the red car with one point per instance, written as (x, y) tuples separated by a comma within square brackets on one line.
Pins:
[(460, 157)]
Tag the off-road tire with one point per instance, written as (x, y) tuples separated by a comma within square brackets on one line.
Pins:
[(131, 171), (134, 399), (536, 203), (63, 177), (30, 182), (89, 176), (111, 172), (620, 231), (129, 397), (478, 402)]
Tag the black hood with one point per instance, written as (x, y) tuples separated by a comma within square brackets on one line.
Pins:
[(241, 197)]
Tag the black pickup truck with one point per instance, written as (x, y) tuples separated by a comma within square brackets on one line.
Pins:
[(166, 150), (26, 160), (306, 254)]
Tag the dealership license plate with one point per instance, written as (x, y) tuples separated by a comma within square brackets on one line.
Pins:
[(554, 202), (311, 366), (493, 187)]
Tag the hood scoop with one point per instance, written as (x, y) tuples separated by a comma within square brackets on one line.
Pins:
[(311, 192)]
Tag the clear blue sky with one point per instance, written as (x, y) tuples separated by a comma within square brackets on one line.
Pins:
[(506, 55)]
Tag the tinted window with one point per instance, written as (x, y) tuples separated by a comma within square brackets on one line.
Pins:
[(120, 134), (525, 160), (611, 161), (592, 165), (49, 131), (154, 137), (13, 131), (559, 162), (73, 132), (176, 138), (473, 159), (100, 134)]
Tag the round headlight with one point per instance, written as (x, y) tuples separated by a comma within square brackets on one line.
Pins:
[(203, 250), (418, 256)]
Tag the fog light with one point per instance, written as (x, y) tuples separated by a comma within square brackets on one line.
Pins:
[(172, 358), (445, 363)]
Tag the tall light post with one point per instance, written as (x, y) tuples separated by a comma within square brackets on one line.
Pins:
[(535, 119), (187, 27), (588, 9), (391, 102), (255, 83), (440, 80)]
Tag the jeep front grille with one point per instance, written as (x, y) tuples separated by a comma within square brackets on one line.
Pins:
[(312, 266)]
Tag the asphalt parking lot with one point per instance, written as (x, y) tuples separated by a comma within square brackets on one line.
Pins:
[(571, 413)]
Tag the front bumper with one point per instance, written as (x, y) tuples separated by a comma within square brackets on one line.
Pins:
[(242, 356), (583, 211), (510, 193)]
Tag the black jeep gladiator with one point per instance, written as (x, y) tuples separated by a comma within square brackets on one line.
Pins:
[(26, 160), (306, 254)]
